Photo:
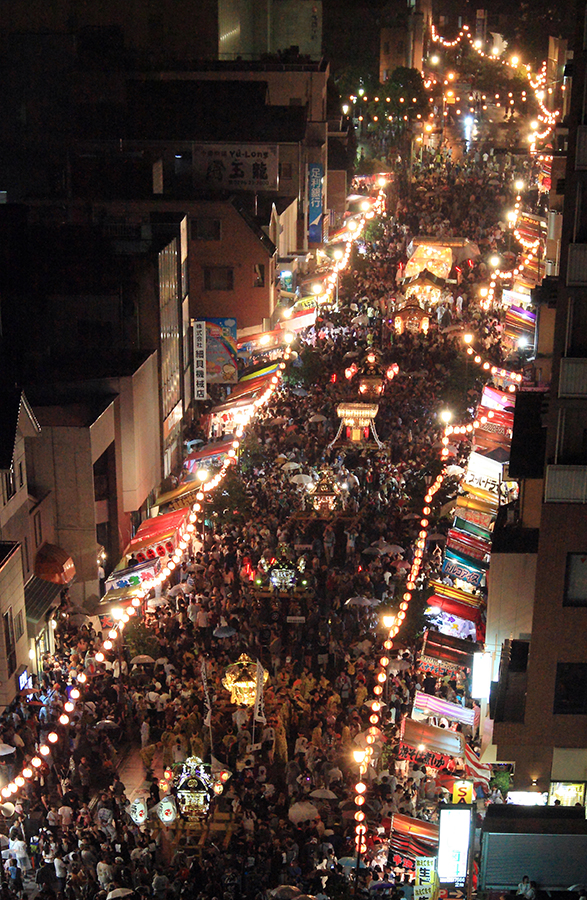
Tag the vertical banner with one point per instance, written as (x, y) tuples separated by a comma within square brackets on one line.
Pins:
[(315, 176), (199, 326), (259, 715), (221, 351), (426, 887)]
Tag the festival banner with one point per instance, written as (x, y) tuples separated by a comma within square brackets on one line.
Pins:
[(461, 571), (315, 178), (221, 352)]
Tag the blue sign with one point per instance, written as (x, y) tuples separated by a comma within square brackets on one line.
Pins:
[(315, 177)]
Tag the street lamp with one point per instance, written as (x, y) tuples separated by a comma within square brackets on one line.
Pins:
[(468, 338), (445, 416)]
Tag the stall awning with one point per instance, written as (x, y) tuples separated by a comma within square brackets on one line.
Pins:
[(119, 595), (39, 597), (158, 529), (433, 745), (455, 608), (425, 831), (428, 705), (452, 649), (182, 496), (54, 564), (142, 575)]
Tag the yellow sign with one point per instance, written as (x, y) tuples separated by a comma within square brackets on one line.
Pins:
[(462, 792), (427, 884)]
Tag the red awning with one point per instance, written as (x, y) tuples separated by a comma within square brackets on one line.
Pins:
[(425, 831), (208, 452), (54, 564), (454, 608), (158, 528)]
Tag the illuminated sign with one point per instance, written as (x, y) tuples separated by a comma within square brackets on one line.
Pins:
[(482, 669), (462, 792), (453, 845)]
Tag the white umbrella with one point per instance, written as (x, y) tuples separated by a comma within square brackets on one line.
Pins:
[(302, 812), (361, 601), (360, 320), (302, 479), (142, 659), (373, 551), (317, 418), (119, 892), (288, 466), (6, 749), (323, 794), (176, 589), (454, 470)]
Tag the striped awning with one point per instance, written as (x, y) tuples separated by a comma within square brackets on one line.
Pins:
[(428, 705)]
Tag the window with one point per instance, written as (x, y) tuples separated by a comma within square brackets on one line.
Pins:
[(9, 642), (576, 580), (206, 229), (570, 692), (20, 475), (38, 529), (9, 484), (25, 559), (218, 278), (258, 275), (18, 626), (286, 171)]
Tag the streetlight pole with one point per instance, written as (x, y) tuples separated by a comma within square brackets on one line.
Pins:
[(338, 255), (202, 475)]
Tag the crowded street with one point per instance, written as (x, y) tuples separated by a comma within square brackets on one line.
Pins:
[(276, 696)]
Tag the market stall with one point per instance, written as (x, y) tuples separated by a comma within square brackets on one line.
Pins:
[(158, 537)]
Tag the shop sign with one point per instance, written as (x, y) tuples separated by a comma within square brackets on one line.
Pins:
[(454, 838), (462, 792), (428, 757), (315, 177), (221, 365), (237, 166), (199, 328)]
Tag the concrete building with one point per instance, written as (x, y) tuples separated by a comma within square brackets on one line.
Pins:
[(404, 38), (99, 456), (250, 29), (543, 682)]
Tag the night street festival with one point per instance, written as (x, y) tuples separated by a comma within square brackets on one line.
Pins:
[(290, 653)]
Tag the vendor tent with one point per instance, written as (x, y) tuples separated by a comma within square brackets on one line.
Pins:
[(157, 536), (428, 740), (412, 837), (446, 648), (426, 705)]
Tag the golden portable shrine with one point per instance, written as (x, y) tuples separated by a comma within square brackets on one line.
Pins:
[(240, 679), (195, 786), (326, 495)]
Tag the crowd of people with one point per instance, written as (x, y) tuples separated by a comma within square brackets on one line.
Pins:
[(288, 805)]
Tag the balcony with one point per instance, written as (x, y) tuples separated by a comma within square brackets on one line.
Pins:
[(581, 155), (565, 484), (577, 265), (573, 377)]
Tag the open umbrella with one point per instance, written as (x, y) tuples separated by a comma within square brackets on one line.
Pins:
[(288, 466), (454, 470), (78, 620), (318, 417), (302, 479), (280, 420), (401, 564), (373, 551), (119, 892), (361, 601), (176, 589), (285, 892), (323, 794), (6, 749), (300, 392), (107, 725), (302, 812), (393, 548), (360, 320), (347, 862), (223, 631), (436, 536), (142, 660)]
